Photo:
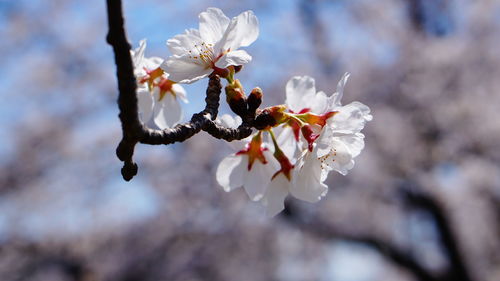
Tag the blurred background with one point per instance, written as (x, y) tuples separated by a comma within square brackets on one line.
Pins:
[(422, 203)]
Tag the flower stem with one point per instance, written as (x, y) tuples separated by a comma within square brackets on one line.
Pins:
[(296, 117), (273, 137), (230, 76)]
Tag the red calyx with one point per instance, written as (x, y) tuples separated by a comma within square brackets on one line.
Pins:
[(151, 75), (165, 86), (309, 135), (254, 150), (286, 165)]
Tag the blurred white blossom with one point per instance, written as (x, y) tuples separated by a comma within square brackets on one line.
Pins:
[(157, 95)]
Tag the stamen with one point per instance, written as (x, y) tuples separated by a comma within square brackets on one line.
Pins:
[(205, 54)]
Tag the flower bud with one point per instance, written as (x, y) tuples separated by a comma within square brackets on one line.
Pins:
[(278, 113), (236, 98), (270, 117), (264, 120), (254, 99)]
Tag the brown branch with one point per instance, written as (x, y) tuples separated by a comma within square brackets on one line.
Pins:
[(134, 131), (458, 269), (320, 229)]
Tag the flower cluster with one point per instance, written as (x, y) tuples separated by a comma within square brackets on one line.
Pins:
[(315, 134), (300, 142)]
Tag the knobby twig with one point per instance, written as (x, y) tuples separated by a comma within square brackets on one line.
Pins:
[(134, 131)]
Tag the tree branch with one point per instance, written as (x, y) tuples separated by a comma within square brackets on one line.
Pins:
[(322, 230), (458, 270)]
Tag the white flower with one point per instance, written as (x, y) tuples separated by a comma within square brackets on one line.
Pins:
[(342, 140), (339, 142), (143, 65), (250, 171), (301, 97), (158, 97), (197, 53), (234, 171), (167, 110), (306, 183), (251, 167)]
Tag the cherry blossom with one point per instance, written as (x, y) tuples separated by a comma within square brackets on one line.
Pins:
[(338, 140), (211, 48), (158, 97), (251, 167), (301, 97), (342, 139), (305, 182)]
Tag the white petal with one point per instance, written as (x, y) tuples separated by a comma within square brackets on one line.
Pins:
[(152, 63), (319, 104), (335, 99), (365, 110), (181, 44), (259, 177), (299, 90), (180, 92), (168, 113), (274, 198), (183, 69), (287, 143), (308, 188), (238, 57), (308, 181), (355, 143), (229, 121), (340, 158), (230, 172), (242, 31), (351, 117), (213, 24), (145, 103), (248, 27), (138, 54), (324, 142)]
